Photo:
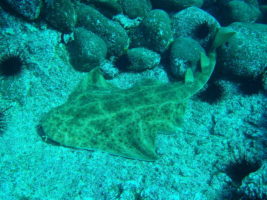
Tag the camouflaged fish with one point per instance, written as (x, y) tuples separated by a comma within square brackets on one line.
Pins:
[(125, 122)]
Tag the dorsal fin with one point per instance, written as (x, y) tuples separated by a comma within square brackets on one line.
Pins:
[(189, 76), (223, 34), (96, 79), (93, 80)]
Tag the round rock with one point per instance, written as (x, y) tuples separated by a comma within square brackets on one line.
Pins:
[(136, 8), (195, 23), (245, 54), (87, 50), (184, 54), (29, 9), (61, 15), (109, 8), (141, 59), (176, 4), (239, 11), (157, 30), (111, 32)]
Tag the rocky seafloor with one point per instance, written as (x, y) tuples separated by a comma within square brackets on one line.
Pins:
[(47, 47)]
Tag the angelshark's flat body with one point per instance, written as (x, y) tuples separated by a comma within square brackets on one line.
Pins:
[(102, 117), (121, 122)]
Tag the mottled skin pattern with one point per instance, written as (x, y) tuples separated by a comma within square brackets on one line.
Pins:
[(121, 122), (125, 122)]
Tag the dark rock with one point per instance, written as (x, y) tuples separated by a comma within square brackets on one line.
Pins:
[(111, 32), (195, 23), (29, 9), (87, 50), (106, 7), (141, 59), (245, 54), (136, 8), (61, 15), (157, 30), (184, 54), (176, 5), (239, 11)]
